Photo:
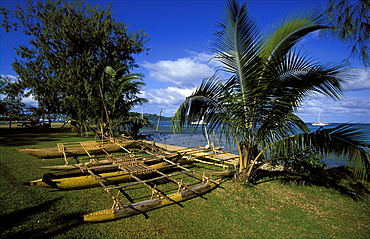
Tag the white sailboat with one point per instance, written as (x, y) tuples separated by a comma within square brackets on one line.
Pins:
[(200, 122), (319, 123)]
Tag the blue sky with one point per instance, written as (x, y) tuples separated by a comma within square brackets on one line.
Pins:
[(180, 32)]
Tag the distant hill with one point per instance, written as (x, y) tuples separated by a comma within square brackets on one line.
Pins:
[(154, 117)]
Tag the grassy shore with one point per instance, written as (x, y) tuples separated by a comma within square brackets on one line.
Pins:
[(267, 210)]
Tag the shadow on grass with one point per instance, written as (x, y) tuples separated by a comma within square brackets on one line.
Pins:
[(13, 221), (31, 136), (338, 178)]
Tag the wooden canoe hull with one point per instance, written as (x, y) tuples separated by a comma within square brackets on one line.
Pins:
[(87, 181), (148, 205), (223, 174), (77, 150)]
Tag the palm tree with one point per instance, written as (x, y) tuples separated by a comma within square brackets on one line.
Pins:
[(269, 80), (119, 96), (107, 105)]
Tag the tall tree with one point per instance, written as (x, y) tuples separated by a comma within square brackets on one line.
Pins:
[(350, 22), (109, 109), (70, 45), (269, 80)]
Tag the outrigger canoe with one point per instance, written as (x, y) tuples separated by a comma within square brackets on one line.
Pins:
[(124, 168), (82, 148), (151, 204), (118, 172)]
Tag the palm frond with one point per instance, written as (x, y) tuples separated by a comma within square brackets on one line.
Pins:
[(290, 78), (345, 142), (203, 103), (237, 43), (276, 127), (289, 32)]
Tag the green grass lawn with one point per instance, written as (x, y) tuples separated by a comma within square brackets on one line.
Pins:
[(267, 210)]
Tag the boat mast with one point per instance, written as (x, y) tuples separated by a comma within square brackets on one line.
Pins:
[(156, 129)]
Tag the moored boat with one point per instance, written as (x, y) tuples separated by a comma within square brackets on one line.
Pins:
[(318, 122)]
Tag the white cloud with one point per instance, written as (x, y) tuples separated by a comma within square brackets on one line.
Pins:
[(27, 100), (351, 109), (205, 58), (359, 79), (10, 77), (170, 96), (168, 99), (182, 73), (30, 100)]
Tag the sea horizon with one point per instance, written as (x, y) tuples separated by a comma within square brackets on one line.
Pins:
[(193, 138)]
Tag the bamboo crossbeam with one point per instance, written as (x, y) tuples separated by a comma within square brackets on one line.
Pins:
[(122, 174), (93, 157), (206, 162), (175, 181), (228, 161), (212, 154), (110, 165), (90, 146), (199, 149), (170, 162), (77, 144), (61, 149), (97, 178), (120, 145), (191, 151), (154, 191), (85, 149), (123, 157), (146, 180), (203, 151), (114, 198)]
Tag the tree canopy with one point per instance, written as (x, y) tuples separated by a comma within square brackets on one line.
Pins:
[(70, 45), (11, 106), (350, 24)]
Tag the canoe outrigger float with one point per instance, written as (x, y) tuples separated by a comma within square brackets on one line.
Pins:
[(88, 148), (144, 206), (158, 197)]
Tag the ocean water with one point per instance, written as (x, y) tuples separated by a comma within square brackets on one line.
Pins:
[(194, 137)]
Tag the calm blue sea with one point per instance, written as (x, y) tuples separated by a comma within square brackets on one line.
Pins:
[(192, 138)]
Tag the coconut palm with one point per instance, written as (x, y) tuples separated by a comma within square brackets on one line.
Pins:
[(269, 79), (107, 104)]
